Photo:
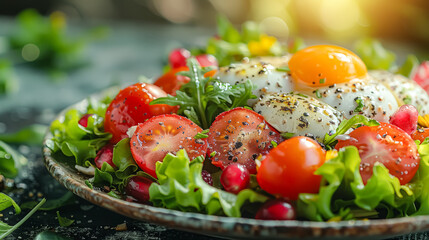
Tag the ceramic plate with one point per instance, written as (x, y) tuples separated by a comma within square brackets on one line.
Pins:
[(226, 226)]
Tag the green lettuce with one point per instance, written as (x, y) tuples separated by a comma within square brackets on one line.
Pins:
[(76, 141), (181, 187), (343, 195), (10, 161), (374, 55), (420, 182)]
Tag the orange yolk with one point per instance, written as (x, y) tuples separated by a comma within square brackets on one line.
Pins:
[(324, 65)]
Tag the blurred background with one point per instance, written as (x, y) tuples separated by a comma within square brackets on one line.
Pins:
[(404, 21)]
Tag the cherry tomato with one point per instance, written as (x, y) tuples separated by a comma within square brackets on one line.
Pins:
[(386, 144), (420, 134), (206, 60), (421, 76), (165, 134), (138, 188), (170, 82), (131, 106), (177, 57), (288, 169), (240, 136)]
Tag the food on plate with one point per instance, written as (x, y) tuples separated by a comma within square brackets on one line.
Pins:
[(261, 130)]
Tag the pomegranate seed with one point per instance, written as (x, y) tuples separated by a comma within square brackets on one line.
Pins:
[(105, 154), (276, 209), (84, 120), (421, 75), (207, 177), (178, 57), (206, 60), (405, 118), (235, 177), (138, 188)]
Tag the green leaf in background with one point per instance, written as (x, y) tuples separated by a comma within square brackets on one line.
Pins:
[(49, 235), (32, 135), (296, 45), (374, 55), (123, 159), (6, 201), (6, 229), (227, 31), (410, 64), (63, 221), (10, 161), (8, 79), (345, 125), (67, 199), (250, 31), (181, 187)]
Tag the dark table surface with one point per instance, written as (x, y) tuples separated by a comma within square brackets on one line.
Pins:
[(130, 51)]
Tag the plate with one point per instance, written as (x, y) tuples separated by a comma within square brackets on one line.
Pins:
[(242, 228)]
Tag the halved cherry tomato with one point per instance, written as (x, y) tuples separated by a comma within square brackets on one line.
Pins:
[(288, 169), (388, 145), (421, 75), (240, 136), (170, 82), (131, 106), (420, 134), (164, 134)]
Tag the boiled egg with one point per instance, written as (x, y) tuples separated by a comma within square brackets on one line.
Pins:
[(298, 114), (405, 90), (265, 77)]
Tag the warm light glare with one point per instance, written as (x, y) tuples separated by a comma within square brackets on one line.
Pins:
[(339, 15), (275, 26), (177, 11)]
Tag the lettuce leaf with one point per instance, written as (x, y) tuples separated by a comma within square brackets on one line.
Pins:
[(73, 140), (10, 161), (343, 195), (374, 55), (181, 187), (420, 182)]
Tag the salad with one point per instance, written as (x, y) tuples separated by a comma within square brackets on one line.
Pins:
[(250, 127)]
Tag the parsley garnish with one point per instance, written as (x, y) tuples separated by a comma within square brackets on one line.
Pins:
[(203, 98), (322, 80), (213, 154), (202, 134), (283, 69), (407, 100), (274, 144), (318, 94), (360, 105), (287, 135)]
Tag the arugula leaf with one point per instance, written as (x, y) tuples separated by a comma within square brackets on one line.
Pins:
[(67, 199), (343, 196), (374, 55), (410, 64), (346, 125), (202, 99), (6, 229), (32, 134), (8, 79), (63, 221), (10, 161), (181, 187)]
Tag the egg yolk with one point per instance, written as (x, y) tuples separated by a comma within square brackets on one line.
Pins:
[(325, 65)]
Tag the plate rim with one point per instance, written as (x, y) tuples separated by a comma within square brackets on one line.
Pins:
[(220, 225)]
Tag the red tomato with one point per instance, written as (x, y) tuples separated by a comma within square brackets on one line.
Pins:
[(170, 82), (131, 106), (421, 75), (420, 134), (388, 145), (240, 136), (288, 169), (164, 134), (177, 57)]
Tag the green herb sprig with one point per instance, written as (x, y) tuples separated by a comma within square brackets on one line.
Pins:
[(203, 98)]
